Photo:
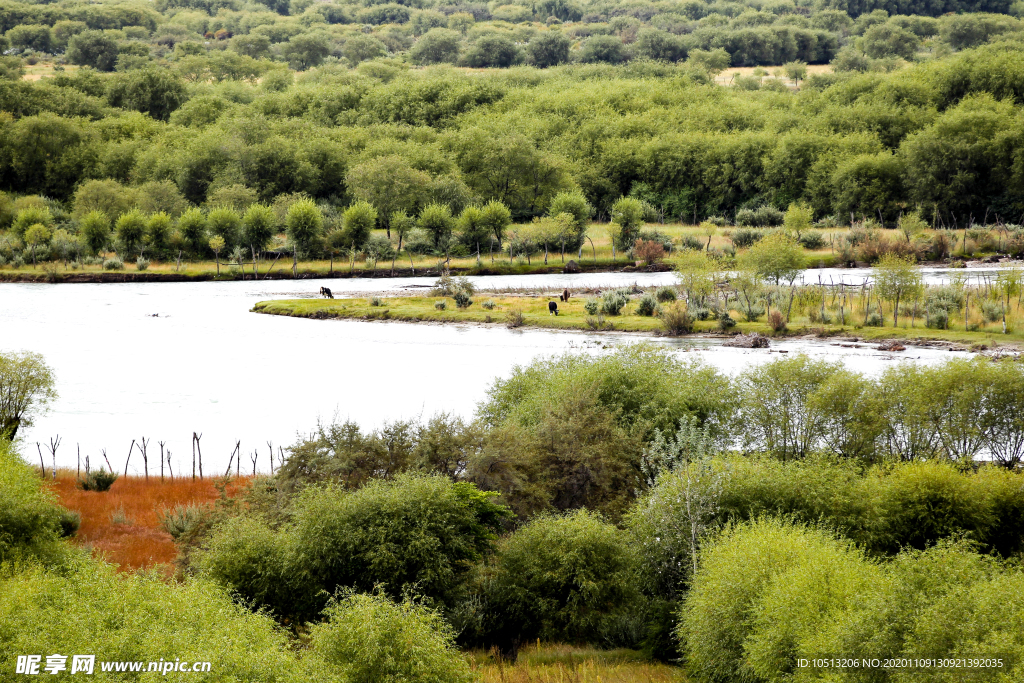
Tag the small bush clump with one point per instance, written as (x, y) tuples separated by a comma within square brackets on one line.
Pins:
[(440, 305), (776, 321), (375, 301), (98, 480), (462, 299), (488, 305), (666, 294), (676, 320), (812, 240), (745, 237), (591, 306), (647, 305), (141, 263), (613, 302), (113, 263)]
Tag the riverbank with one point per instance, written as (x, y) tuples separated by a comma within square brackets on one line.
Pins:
[(526, 311)]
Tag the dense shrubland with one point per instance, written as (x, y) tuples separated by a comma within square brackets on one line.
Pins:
[(797, 509)]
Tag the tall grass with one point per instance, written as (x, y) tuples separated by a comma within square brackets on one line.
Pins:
[(558, 663)]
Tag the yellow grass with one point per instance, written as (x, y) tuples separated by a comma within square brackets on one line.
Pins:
[(553, 663)]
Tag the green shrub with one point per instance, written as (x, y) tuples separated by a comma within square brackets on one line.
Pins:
[(812, 240), (691, 242), (375, 301), (743, 238), (666, 294), (676, 320), (370, 639), (488, 305), (613, 302), (140, 617), (180, 520), (725, 322), (992, 311), (462, 300), (557, 578), (98, 480), (591, 306), (141, 263), (31, 522), (646, 305), (440, 305), (113, 263)]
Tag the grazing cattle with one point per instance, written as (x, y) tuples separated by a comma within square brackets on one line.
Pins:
[(326, 293), (552, 308), (565, 294)]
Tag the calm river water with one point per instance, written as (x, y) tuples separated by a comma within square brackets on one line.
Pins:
[(161, 360)]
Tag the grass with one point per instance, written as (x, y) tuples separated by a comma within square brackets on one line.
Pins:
[(572, 316), (556, 663), (122, 525)]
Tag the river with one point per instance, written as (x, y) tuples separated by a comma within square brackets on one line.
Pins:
[(161, 360)]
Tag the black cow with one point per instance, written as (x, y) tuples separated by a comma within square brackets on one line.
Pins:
[(552, 308), (326, 293)]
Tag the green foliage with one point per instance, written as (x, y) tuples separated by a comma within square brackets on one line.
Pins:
[(129, 231), (776, 257), (258, 227), (30, 519), (437, 46), (416, 532), (195, 621), (93, 48), (304, 222), (557, 578), (627, 215), (98, 480), (358, 222), (26, 389), (371, 639), (152, 91), (437, 220)]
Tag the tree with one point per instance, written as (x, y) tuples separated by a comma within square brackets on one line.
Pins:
[(93, 48), (472, 230), (698, 273), (224, 222), (497, 218), (576, 205), (35, 235), (304, 222), (158, 231), (713, 61), (548, 48), (911, 225), (30, 216), (129, 231), (193, 229), (608, 49), (26, 388), (437, 220), (888, 40), (796, 71), (357, 223), (401, 223), (896, 277), (306, 50), (437, 46), (153, 91), (217, 245), (799, 217), (492, 50), (35, 37), (660, 45), (258, 227), (390, 184), (775, 257), (361, 47), (95, 230), (251, 45), (627, 215)]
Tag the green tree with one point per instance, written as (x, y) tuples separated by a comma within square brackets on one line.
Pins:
[(217, 245), (799, 218), (258, 227), (437, 46), (492, 50), (29, 216), (496, 216), (36, 235), (108, 196), (390, 184), (93, 48), (304, 223), (358, 223), (888, 40), (129, 232), (401, 223), (95, 230), (31, 37), (911, 225), (628, 216), (224, 222), (608, 49), (361, 47), (775, 257), (698, 273), (548, 48), (472, 230), (158, 232), (154, 91), (192, 224), (437, 220), (251, 45), (897, 277), (26, 389), (306, 50), (576, 205), (795, 71)]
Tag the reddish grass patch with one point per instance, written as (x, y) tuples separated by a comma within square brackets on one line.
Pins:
[(142, 543)]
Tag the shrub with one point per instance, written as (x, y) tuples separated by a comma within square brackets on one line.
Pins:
[(181, 520), (140, 617), (992, 311), (744, 238), (462, 299), (514, 318), (691, 242), (776, 321), (699, 312), (370, 639), (648, 251), (591, 306), (725, 322), (666, 294), (557, 578), (440, 305), (31, 522), (873, 319), (488, 305), (646, 305), (613, 302), (676, 320), (98, 480), (812, 240), (113, 263), (141, 263), (375, 301)]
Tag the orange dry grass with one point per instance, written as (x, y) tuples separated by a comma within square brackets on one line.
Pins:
[(141, 543)]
